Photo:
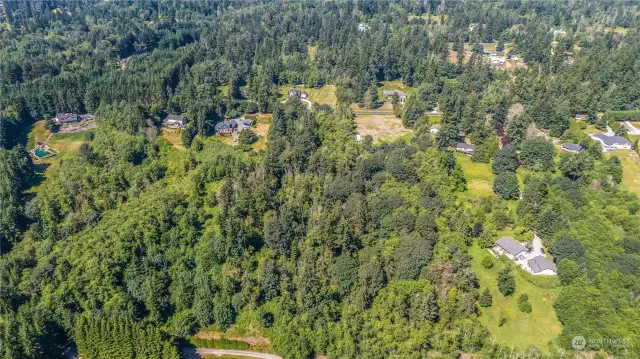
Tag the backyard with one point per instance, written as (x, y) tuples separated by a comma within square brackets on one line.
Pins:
[(479, 176), (533, 329), (381, 127), (630, 170)]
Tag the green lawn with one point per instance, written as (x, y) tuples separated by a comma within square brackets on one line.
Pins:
[(630, 170), (479, 176), (521, 330), (325, 95)]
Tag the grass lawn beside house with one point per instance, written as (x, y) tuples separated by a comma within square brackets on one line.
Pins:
[(325, 95), (479, 176), (630, 169), (521, 330)]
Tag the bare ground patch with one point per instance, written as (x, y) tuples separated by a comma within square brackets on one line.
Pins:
[(381, 127)]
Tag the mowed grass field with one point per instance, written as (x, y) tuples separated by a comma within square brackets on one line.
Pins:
[(325, 95), (630, 169), (479, 176), (521, 330)]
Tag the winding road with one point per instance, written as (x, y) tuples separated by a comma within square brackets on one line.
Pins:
[(198, 353)]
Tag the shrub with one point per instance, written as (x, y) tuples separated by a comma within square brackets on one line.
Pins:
[(506, 282), (487, 261), (523, 304), (485, 299)]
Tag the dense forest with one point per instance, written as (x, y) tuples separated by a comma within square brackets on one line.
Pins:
[(330, 246)]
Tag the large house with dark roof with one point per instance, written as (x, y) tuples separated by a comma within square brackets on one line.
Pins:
[(389, 94), (64, 118), (610, 143), (226, 127), (509, 247)]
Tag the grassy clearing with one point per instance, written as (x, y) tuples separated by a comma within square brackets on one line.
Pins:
[(325, 95), (521, 330), (479, 176), (37, 134), (174, 137), (395, 85), (630, 170), (385, 128)]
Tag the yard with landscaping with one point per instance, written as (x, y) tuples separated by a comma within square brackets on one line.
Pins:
[(325, 95), (520, 330)]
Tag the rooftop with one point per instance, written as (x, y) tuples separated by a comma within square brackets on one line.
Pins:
[(465, 146), (540, 263), (510, 245), (612, 140), (572, 147)]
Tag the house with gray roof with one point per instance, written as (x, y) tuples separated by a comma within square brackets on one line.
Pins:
[(175, 121), (434, 128), (509, 247), (571, 147), (226, 127), (610, 143), (465, 148), (541, 265), (389, 94), (64, 118)]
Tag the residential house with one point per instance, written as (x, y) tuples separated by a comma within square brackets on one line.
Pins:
[(294, 92), (497, 60), (509, 247), (465, 148), (226, 127), (175, 121), (389, 94), (579, 117), (304, 95), (85, 117), (435, 113), (542, 265), (362, 27), (571, 147), (434, 128), (610, 143), (64, 118)]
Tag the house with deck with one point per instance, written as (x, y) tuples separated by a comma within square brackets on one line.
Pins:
[(465, 148), (175, 121), (541, 265), (226, 127), (65, 118), (509, 247)]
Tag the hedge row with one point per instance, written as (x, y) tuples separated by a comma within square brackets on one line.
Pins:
[(631, 115), (221, 343)]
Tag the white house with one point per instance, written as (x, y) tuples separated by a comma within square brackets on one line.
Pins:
[(465, 148), (509, 247), (610, 143), (175, 121), (434, 128)]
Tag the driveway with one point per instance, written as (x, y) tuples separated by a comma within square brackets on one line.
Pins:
[(198, 353), (631, 129)]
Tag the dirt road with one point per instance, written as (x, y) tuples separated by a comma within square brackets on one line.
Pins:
[(198, 353)]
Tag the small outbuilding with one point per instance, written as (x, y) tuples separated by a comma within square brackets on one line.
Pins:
[(434, 128)]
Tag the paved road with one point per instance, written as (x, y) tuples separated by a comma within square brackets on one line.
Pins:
[(198, 353)]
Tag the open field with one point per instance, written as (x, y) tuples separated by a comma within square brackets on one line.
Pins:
[(173, 136), (630, 170), (325, 95), (521, 330), (479, 176), (381, 127)]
